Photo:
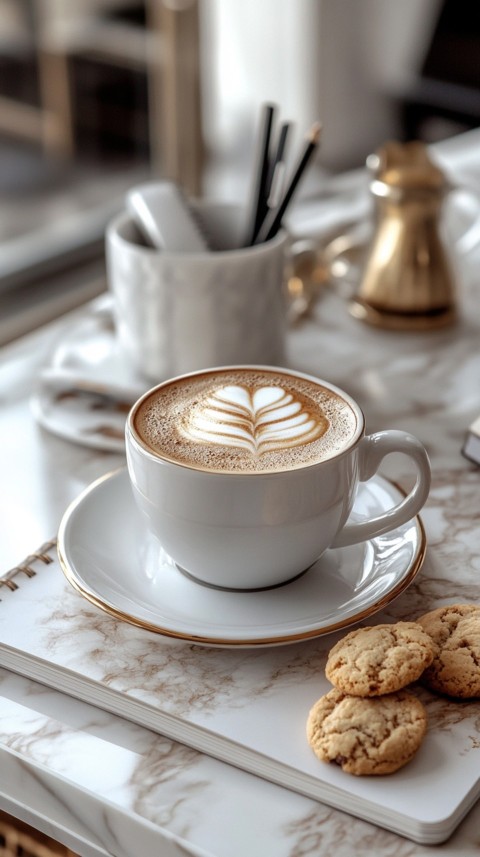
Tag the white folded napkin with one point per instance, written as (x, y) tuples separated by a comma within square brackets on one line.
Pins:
[(86, 359), (58, 380), (343, 201)]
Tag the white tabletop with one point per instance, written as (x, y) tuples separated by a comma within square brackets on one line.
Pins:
[(104, 786)]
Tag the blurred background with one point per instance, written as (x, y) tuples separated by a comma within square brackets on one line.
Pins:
[(97, 95)]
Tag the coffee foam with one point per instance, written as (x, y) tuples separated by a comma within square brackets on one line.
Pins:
[(245, 420)]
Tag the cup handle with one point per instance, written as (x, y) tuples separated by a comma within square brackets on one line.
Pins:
[(372, 450), (305, 278)]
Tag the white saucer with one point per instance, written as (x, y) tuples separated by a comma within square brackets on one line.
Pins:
[(107, 556), (88, 350)]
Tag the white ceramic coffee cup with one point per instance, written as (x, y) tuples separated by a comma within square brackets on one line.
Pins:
[(178, 312), (256, 530)]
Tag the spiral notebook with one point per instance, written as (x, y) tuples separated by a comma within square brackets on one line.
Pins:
[(246, 707)]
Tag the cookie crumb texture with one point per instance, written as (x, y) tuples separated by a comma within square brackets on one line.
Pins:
[(366, 736), (455, 669), (379, 659)]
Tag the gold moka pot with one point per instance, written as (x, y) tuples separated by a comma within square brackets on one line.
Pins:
[(407, 279)]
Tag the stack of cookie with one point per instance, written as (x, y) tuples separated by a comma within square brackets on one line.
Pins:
[(455, 669), (369, 723)]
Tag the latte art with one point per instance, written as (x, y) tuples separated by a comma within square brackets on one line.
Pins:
[(253, 418), (245, 420)]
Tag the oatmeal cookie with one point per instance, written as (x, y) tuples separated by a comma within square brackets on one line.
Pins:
[(455, 669), (366, 736), (379, 659)]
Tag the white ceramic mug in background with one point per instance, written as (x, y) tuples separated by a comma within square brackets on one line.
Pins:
[(178, 312), (253, 530)]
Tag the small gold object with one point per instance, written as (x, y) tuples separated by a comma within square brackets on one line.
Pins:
[(307, 277), (407, 280)]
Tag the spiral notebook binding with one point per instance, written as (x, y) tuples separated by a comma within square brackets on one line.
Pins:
[(43, 554)]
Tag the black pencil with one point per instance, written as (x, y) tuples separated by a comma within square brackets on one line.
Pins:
[(258, 205), (277, 166), (273, 222)]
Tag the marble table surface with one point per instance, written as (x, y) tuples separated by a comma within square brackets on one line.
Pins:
[(104, 786)]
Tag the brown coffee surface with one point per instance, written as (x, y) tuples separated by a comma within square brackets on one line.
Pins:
[(245, 421)]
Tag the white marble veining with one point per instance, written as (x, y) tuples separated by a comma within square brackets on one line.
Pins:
[(146, 780), (106, 787)]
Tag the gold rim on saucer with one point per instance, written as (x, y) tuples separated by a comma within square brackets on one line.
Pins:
[(205, 639)]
